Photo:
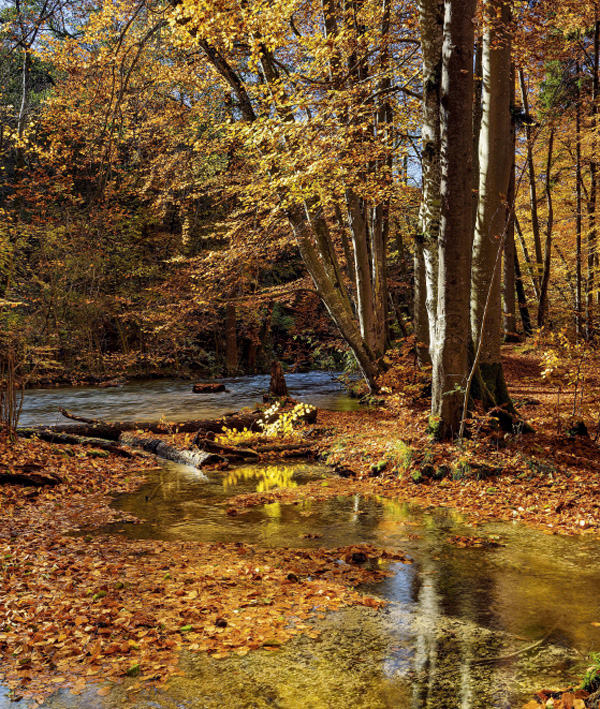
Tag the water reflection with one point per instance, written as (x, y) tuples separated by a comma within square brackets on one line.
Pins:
[(265, 478), (450, 637)]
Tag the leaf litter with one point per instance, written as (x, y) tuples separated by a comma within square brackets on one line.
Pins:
[(77, 608)]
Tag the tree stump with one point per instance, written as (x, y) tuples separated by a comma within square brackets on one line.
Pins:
[(277, 387)]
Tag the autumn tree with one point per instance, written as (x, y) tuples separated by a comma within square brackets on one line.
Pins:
[(496, 156), (450, 349), (315, 89)]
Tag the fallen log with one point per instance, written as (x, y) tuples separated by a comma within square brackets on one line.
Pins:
[(193, 458), (110, 431), (206, 444), (202, 388), (75, 417), (51, 436), (29, 476), (295, 453)]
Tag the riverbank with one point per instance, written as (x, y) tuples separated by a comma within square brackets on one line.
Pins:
[(78, 608)]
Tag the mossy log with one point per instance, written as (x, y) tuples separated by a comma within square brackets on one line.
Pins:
[(230, 452), (52, 436), (111, 431)]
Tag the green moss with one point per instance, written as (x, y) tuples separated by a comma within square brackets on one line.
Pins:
[(379, 467), (434, 427), (461, 470), (441, 472)]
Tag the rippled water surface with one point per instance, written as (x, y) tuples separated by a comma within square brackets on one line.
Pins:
[(451, 636), (174, 400), (457, 622)]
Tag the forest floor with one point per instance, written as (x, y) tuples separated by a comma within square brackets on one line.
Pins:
[(77, 608)]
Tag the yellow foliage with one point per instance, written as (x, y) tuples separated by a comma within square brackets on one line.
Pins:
[(273, 426)]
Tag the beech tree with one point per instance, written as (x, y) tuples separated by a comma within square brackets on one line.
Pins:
[(431, 16), (469, 259), (450, 349), (496, 156), (314, 89)]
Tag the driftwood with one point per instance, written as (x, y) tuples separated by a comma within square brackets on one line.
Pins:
[(202, 388), (111, 383), (194, 458), (75, 417), (52, 436)]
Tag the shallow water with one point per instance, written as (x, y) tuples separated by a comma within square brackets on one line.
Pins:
[(448, 611), (174, 400)]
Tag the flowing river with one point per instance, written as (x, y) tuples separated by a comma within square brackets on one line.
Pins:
[(458, 623), (174, 400)]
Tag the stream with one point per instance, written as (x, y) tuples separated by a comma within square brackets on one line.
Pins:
[(447, 612), (174, 400)]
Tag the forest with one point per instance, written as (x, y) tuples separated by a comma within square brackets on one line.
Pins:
[(388, 206)]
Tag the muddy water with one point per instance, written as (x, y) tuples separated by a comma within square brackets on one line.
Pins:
[(174, 400), (450, 613)]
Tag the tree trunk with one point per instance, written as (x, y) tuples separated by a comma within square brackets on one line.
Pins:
[(508, 264), (521, 298), (23, 110), (531, 268), (431, 18), (543, 306), (592, 259), (509, 303), (231, 356), (450, 350), (495, 163), (335, 300), (578, 213), (535, 222), (477, 115), (277, 387), (420, 316)]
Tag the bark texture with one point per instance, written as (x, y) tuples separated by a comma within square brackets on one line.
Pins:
[(277, 387), (431, 18), (450, 351), (495, 163)]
